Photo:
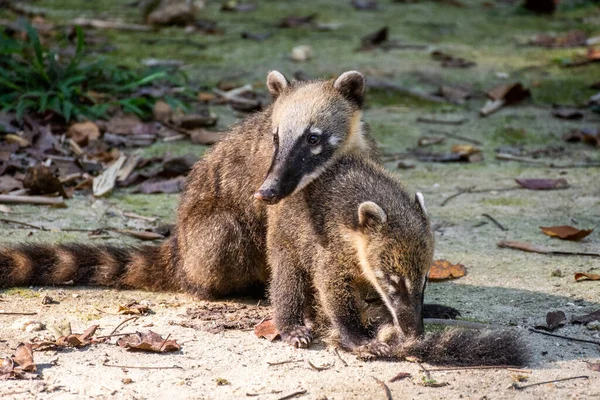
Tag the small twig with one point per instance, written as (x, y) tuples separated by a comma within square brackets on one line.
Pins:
[(388, 393), (425, 370), (340, 357), (498, 224), (283, 362), (508, 367), (140, 367), (565, 337), (472, 190), (17, 313), (457, 322), (460, 192), (313, 366), (400, 376), (292, 395), (39, 200), (11, 221), (114, 335), (428, 120), (100, 24), (121, 324), (521, 387), (163, 343), (547, 164), (455, 136)]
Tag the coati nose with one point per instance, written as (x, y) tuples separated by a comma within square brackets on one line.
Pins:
[(267, 195)]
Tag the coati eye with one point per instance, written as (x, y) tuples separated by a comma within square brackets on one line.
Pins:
[(313, 139)]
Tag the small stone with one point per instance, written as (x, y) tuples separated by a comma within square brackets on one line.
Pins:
[(75, 295), (28, 325), (301, 53), (557, 273), (222, 381), (48, 300), (162, 111), (593, 326), (127, 380)]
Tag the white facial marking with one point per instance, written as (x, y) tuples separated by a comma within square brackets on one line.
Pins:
[(316, 150), (392, 290), (316, 131), (395, 278), (379, 274), (334, 140), (371, 275), (421, 201)]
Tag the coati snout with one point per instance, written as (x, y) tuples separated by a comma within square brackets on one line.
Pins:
[(310, 129), (398, 272)]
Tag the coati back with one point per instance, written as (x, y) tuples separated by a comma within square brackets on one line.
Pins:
[(218, 247), (355, 228)]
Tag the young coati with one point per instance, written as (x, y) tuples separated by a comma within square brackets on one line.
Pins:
[(218, 247), (353, 228)]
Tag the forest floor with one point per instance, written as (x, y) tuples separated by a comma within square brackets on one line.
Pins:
[(220, 356)]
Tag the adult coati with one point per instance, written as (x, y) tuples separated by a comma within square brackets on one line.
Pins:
[(354, 228), (218, 247)]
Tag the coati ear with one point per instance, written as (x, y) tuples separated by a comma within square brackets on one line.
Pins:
[(370, 215), (276, 83), (351, 85), (421, 202)]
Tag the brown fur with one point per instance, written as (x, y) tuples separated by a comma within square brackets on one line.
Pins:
[(319, 245), (218, 248)]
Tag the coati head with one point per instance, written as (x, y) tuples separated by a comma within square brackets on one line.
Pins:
[(313, 123), (395, 252)]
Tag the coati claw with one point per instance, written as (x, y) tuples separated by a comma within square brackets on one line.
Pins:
[(375, 348), (439, 311), (300, 336)]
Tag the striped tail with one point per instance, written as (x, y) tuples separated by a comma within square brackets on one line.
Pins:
[(466, 347), (145, 267)]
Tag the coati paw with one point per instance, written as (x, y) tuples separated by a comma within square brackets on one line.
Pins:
[(374, 348), (439, 311), (300, 336)]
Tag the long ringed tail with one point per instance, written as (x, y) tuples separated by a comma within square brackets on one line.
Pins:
[(144, 267)]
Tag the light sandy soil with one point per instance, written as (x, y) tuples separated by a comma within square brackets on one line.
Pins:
[(503, 287)]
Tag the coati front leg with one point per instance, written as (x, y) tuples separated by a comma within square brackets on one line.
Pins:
[(337, 293), (290, 286)]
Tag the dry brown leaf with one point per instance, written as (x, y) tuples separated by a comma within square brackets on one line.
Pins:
[(566, 232), (430, 140), (570, 39), (24, 357), (132, 308), (105, 182), (9, 183), (400, 376), (78, 340), (374, 39), (267, 329), (148, 341), (161, 186), (582, 276), (122, 124), (587, 318), (40, 180), (593, 54), (83, 132), (443, 269), (554, 319), (142, 235), (543, 184)]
